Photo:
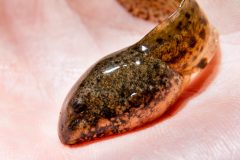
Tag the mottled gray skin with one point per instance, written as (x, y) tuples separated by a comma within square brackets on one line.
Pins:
[(136, 85)]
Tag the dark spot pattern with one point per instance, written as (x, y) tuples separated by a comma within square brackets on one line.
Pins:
[(135, 80), (73, 124), (203, 63), (202, 34), (203, 21), (192, 42), (78, 107), (179, 26), (160, 41), (108, 113), (187, 15)]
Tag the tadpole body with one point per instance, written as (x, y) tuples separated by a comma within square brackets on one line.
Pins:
[(136, 85)]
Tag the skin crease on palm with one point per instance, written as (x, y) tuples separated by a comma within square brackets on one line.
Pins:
[(45, 45)]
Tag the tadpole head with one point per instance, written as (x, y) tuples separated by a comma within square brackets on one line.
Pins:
[(70, 121), (65, 133)]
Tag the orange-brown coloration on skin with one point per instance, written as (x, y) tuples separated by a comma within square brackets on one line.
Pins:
[(136, 85), (151, 10)]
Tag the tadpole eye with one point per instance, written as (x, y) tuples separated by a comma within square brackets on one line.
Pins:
[(78, 106)]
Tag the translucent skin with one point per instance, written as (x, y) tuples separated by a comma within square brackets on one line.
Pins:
[(45, 47), (136, 85)]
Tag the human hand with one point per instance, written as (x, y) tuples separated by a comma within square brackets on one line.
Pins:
[(46, 45)]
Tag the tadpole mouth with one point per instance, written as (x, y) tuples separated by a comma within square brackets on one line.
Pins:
[(65, 133)]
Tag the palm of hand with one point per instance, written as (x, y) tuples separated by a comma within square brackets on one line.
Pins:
[(45, 46)]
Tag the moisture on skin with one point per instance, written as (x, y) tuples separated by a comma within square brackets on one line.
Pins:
[(136, 85)]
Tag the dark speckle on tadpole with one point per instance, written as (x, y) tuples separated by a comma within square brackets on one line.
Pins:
[(108, 113), (192, 42), (160, 41), (179, 26), (78, 106), (187, 15), (202, 34), (203, 63), (73, 124)]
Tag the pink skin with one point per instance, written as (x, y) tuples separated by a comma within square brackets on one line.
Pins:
[(45, 45)]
